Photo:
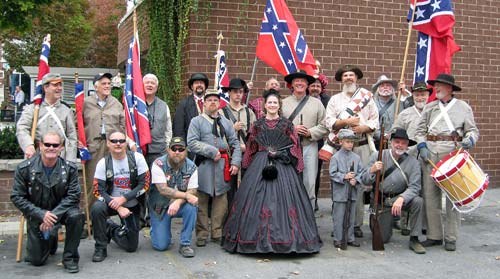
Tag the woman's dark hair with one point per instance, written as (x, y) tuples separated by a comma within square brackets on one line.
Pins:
[(267, 94)]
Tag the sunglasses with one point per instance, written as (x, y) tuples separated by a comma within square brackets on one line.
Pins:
[(115, 141), (55, 145), (177, 149)]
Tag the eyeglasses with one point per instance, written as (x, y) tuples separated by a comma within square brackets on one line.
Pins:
[(115, 141), (178, 149), (48, 144)]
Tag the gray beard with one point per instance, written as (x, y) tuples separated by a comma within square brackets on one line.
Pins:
[(175, 163), (439, 95), (349, 88), (419, 105)]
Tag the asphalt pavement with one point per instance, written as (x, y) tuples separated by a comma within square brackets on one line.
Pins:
[(477, 256)]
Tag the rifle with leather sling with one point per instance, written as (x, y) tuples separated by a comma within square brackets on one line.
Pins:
[(377, 241), (347, 213)]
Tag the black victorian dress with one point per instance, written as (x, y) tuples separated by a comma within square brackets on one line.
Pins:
[(271, 212)]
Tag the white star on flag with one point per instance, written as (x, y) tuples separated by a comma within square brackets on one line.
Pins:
[(420, 70), (282, 44), (269, 10), (435, 5), (290, 62), (299, 50), (422, 43), (275, 27), (420, 13)]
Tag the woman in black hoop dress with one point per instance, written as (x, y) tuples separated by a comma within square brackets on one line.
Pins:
[(271, 212)]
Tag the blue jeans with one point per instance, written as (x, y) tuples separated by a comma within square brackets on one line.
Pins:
[(161, 236)]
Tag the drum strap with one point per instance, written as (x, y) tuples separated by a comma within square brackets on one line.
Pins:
[(444, 114)]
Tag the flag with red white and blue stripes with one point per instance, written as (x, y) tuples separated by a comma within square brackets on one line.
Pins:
[(79, 96), (281, 44), (134, 100), (434, 19), (43, 69)]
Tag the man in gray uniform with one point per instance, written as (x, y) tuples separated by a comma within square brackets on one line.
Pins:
[(53, 116), (401, 184), (215, 144), (445, 123)]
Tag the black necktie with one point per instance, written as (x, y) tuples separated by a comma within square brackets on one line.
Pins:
[(215, 131)]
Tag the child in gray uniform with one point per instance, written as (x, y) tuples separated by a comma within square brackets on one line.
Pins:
[(345, 172)]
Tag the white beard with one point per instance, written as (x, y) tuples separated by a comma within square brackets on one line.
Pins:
[(386, 93), (419, 105), (349, 88), (399, 152), (440, 95)]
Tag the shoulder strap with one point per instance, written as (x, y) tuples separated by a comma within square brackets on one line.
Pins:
[(396, 165), (298, 108), (229, 115), (385, 108), (247, 110)]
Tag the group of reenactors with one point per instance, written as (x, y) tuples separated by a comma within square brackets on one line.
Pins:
[(191, 169)]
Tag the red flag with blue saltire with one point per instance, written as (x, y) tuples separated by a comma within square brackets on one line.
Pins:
[(281, 44), (222, 78), (43, 69), (79, 95), (134, 100), (436, 44)]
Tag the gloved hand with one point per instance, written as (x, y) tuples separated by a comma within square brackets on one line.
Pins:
[(467, 143), (423, 152)]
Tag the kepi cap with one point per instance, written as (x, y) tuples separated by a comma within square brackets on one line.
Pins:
[(51, 77)]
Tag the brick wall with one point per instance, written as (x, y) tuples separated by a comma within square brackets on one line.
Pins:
[(371, 34), (6, 183)]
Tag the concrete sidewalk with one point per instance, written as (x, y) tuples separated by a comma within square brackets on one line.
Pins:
[(477, 256)]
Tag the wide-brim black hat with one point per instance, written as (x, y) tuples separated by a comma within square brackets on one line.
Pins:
[(236, 83), (348, 68), (197, 76), (421, 86), (447, 79), (299, 74), (401, 134)]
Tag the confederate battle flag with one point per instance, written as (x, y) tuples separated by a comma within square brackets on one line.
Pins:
[(281, 45), (434, 19)]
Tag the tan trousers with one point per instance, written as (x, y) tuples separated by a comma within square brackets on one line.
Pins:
[(433, 205), (218, 215)]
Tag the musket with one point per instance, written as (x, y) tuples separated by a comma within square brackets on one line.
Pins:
[(377, 241), (347, 213)]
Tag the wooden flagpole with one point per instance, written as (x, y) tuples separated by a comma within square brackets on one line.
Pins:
[(34, 125), (85, 197), (402, 79)]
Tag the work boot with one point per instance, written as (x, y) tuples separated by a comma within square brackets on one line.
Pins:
[(71, 267), (200, 242), (337, 244), (416, 246), (186, 251), (450, 246), (99, 255), (405, 232), (353, 244), (358, 232), (432, 242)]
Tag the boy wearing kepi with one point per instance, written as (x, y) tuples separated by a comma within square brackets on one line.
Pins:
[(345, 172)]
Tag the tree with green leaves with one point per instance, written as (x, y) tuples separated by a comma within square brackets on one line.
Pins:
[(18, 15), (67, 22)]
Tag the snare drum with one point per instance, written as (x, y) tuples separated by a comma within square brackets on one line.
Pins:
[(461, 178)]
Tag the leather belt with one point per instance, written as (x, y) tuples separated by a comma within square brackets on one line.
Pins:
[(443, 138), (361, 143), (102, 137)]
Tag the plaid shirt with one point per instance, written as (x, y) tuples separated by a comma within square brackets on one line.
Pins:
[(257, 106)]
